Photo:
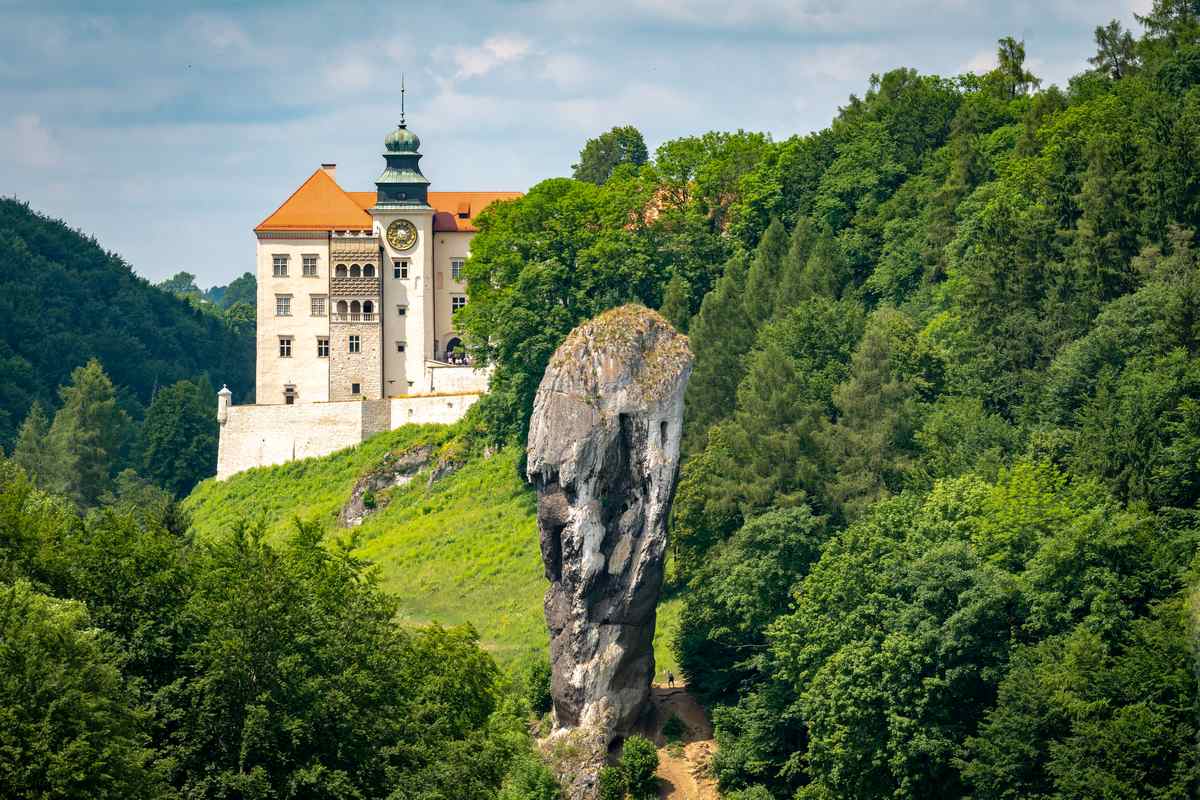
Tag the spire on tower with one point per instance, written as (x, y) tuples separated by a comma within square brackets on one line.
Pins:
[(401, 99)]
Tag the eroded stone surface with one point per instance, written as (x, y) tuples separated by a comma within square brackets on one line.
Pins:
[(603, 452)]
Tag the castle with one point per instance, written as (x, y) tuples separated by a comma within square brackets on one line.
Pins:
[(356, 299)]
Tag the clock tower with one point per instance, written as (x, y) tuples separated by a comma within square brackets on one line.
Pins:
[(403, 222)]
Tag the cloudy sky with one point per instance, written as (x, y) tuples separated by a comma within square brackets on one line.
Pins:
[(168, 130)]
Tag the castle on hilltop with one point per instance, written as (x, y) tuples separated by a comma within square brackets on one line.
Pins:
[(356, 299)]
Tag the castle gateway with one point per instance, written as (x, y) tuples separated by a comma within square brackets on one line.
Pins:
[(356, 299)]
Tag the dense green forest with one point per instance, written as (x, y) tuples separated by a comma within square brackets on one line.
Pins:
[(936, 532), (935, 535), (65, 301)]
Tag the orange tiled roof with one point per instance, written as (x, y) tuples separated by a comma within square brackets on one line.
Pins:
[(449, 206), (321, 205)]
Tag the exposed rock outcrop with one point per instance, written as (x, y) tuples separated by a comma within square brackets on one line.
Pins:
[(603, 452), (395, 470)]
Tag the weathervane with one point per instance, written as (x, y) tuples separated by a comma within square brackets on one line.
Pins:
[(401, 99)]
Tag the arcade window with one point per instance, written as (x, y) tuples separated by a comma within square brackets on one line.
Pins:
[(322, 347), (309, 266), (355, 345), (285, 347)]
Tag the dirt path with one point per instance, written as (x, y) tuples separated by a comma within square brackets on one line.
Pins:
[(683, 775)]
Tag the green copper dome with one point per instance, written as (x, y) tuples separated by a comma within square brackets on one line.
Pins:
[(402, 140)]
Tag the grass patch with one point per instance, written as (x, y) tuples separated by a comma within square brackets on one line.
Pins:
[(464, 550)]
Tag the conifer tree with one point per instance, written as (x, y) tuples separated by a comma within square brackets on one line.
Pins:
[(721, 336), (793, 285), (676, 300), (871, 445), (31, 449), (762, 283), (180, 437), (87, 435)]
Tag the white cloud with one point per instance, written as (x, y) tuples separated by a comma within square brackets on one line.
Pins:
[(350, 74), (494, 52), (217, 32), (28, 143), (981, 62)]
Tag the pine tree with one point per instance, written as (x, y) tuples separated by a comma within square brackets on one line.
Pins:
[(676, 303), (87, 435), (180, 437), (871, 446), (762, 284), (721, 336), (31, 450), (793, 283)]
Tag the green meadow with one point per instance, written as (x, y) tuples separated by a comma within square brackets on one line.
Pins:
[(463, 549)]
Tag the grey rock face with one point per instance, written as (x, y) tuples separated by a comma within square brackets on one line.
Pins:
[(603, 452)]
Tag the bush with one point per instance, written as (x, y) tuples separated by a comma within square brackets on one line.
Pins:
[(537, 685), (673, 729), (639, 760), (611, 784), (529, 779)]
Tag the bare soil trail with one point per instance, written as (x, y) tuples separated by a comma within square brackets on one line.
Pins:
[(683, 768)]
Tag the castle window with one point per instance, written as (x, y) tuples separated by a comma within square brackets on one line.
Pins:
[(368, 270), (456, 265), (285, 347), (340, 271), (317, 305), (400, 347), (355, 344), (457, 301), (368, 308), (355, 271), (283, 305), (399, 269), (401, 311), (342, 309), (356, 388), (322, 347), (309, 265), (279, 266), (289, 394)]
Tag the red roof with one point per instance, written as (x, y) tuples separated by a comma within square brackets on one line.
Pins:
[(321, 205)]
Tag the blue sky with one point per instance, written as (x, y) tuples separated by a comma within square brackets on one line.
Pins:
[(168, 130)]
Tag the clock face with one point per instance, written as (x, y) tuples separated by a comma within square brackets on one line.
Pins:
[(402, 234)]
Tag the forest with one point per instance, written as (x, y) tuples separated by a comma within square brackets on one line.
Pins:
[(935, 533)]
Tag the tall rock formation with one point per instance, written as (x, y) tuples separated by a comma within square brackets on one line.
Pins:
[(603, 453)]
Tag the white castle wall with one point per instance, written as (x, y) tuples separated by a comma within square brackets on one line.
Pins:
[(259, 436)]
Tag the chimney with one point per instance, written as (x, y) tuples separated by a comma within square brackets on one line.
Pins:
[(330, 170)]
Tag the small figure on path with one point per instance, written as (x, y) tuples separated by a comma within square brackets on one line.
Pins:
[(670, 680)]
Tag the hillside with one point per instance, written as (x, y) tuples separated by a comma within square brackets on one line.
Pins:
[(65, 300), (462, 549)]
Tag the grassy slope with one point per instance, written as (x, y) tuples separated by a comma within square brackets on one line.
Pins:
[(463, 550)]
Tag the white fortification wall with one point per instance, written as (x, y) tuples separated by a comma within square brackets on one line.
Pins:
[(260, 436)]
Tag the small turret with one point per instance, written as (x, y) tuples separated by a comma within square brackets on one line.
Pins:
[(223, 399)]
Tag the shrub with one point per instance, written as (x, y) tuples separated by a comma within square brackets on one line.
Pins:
[(611, 784), (673, 729), (639, 760), (537, 685)]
